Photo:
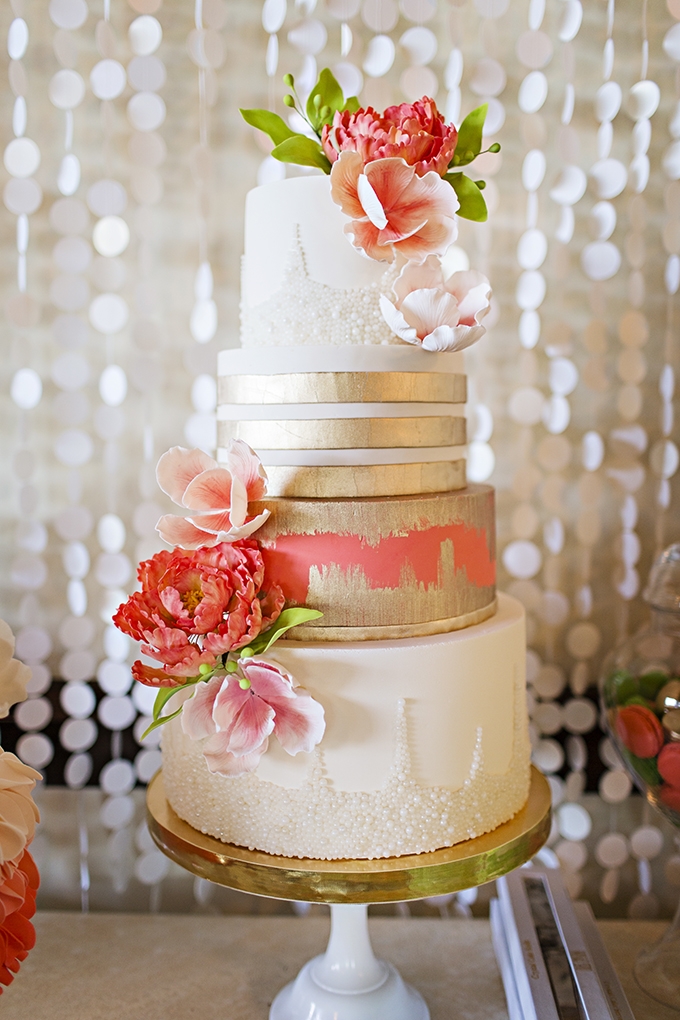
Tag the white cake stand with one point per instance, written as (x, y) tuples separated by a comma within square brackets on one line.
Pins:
[(347, 982)]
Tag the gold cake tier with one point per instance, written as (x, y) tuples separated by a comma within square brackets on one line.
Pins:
[(333, 434), (343, 387), (334, 481), (393, 567)]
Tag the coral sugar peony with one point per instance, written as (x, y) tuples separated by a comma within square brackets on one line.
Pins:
[(18, 887), (195, 606), (414, 132), (392, 209)]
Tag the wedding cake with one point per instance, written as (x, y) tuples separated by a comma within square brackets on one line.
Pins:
[(390, 717)]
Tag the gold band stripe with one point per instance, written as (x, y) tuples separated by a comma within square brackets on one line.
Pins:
[(345, 433), (366, 480), (308, 632), (343, 388)]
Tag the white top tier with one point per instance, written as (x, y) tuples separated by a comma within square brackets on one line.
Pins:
[(275, 213), (302, 281)]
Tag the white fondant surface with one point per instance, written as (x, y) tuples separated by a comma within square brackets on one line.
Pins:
[(273, 213), (426, 744), (330, 458), (380, 358), (309, 412)]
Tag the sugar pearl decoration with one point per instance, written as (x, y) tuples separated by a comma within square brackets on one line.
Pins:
[(318, 821), (339, 316)]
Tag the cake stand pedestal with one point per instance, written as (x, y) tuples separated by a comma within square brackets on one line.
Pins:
[(347, 982)]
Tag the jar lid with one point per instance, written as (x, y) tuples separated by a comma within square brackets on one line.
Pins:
[(663, 587)]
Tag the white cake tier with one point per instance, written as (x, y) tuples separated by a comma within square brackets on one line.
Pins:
[(302, 281), (426, 745)]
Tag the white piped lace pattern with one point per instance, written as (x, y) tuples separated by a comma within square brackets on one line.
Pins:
[(303, 312)]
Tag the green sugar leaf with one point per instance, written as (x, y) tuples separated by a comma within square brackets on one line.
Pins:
[(469, 142), (303, 151), (270, 123), (472, 204), (161, 721), (352, 104), (288, 618), (326, 93)]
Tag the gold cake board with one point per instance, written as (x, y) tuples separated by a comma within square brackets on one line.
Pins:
[(386, 880)]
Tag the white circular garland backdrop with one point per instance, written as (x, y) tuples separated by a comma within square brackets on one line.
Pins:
[(126, 164)]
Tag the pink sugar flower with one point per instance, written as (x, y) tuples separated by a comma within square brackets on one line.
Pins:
[(436, 313), (392, 209), (216, 496), (238, 714), (416, 132), (196, 606)]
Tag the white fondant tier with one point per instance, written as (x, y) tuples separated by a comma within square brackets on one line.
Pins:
[(323, 358), (426, 745), (299, 207)]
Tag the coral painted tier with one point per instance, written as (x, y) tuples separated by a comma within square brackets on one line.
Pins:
[(378, 568)]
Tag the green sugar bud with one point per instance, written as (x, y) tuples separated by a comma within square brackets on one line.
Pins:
[(325, 111), (244, 683), (289, 80), (495, 147), (317, 101), (204, 668), (231, 666), (247, 653), (481, 185), (288, 101)]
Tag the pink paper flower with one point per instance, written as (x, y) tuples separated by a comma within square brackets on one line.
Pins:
[(436, 313), (195, 606), (392, 209), (416, 132), (217, 497), (238, 713)]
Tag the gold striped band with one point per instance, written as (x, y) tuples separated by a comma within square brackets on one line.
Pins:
[(345, 433), (368, 480), (343, 388), (306, 632)]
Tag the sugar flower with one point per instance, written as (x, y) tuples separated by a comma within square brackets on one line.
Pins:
[(392, 209), (416, 132), (216, 496), (18, 813), (18, 874), (436, 313), (238, 713), (18, 887), (14, 675), (196, 606)]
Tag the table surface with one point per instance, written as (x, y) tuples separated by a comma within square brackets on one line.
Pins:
[(179, 967)]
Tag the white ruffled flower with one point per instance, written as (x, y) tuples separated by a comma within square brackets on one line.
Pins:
[(435, 313), (14, 675)]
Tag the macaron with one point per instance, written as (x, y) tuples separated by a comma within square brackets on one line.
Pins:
[(639, 730), (670, 796), (668, 764)]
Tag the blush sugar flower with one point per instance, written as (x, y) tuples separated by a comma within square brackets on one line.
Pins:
[(238, 713), (393, 210), (416, 132), (195, 607), (216, 496), (436, 313)]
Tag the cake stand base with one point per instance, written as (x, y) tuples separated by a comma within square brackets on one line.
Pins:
[(347, 982)]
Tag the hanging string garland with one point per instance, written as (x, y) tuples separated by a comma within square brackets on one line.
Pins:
[(28, 569)]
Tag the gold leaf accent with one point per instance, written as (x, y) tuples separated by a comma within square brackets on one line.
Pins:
[(365, 480), (345, 433), (343, 388)]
